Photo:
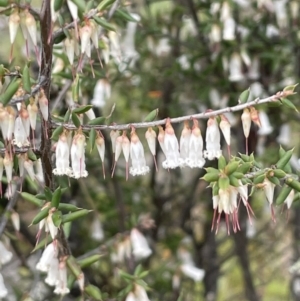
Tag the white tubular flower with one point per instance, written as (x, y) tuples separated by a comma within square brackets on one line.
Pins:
[(229, 29), (102, 93), (52, 273), (11, 122), (100, 143), (284, 137), (266, 127), (246, 121), (235, 68), (49, 255), (39, 175), (137, 155), (8, 165), (49, 225), (192, 272), (61, 287), (43, 103), (113, 136), (126, 150), (62, 161), (225, 128), (3, 290), (281, 13), (4, 122), (140, 247), (6, 255), (171, 146), (215, 34), (28, 165), (25, 120), (131, 297), (96, 229), (185, 141), (85, 37), (254, 72), (161, 139), (90, 114), (140, 293), (69, 45), (13, 23), (20, 139), (290, 198), (32, 111), (30, 24), (195, 158), (122, 250), (151, 140), (78, 156), (213, 146), (269, 188)]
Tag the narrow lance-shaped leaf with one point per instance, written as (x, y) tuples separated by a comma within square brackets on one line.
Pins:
[(289, 104), (223, 183), (41, 215), (293, 183), (57, 132), (122, 14), (284, 159), (67, 116), (80, 4), (151, 116), (74, 266), (102, 22), (57, 218), (93, 292), (48, 194), (82, 109), (68, 207), (75, 215), (244, 96), (104, 4), (283, 194), (58, 4), (9, 92), (76, 120), (222, 163), (3, 3), (86, 262), (56, 197), (32, 199), (75, 89)]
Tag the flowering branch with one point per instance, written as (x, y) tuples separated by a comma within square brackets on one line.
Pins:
[(274, 98)]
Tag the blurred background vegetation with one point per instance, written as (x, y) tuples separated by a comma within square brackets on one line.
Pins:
[(182, 57)]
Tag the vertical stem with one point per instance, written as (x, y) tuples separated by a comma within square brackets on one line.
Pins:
[(45, 73)]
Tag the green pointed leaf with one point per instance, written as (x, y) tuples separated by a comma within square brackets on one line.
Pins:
[(290, 88), (231, 167), (75, 215), (289, 104), (88, 261), (283, 194), (10, 92), (76, 120), (56, 197), (80, 4), (215, 189), (151, 116), (103, 23), (48, 194), (3, 3), (74, 266), (221, 163), (58, 4), (223, 183), (67, 116), (104, 4), (32, 199), (122, 14), (56, 133), (293, 183), (68, 207), (234, 181), (31, 155), (57, 218), (97, 121), (211, 177), (75, 88), (284, 159), (259, 179), (94, 292), (274, 180), (244, 96), (82, 109), (41, 215), (26, 79)]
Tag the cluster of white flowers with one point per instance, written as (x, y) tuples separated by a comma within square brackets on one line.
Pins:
[(56, 270), (135, 245), (226, 200), (5, 257), (75, 147)]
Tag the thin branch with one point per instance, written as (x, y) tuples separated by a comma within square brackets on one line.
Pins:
[(205, 115), (41, 83)]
